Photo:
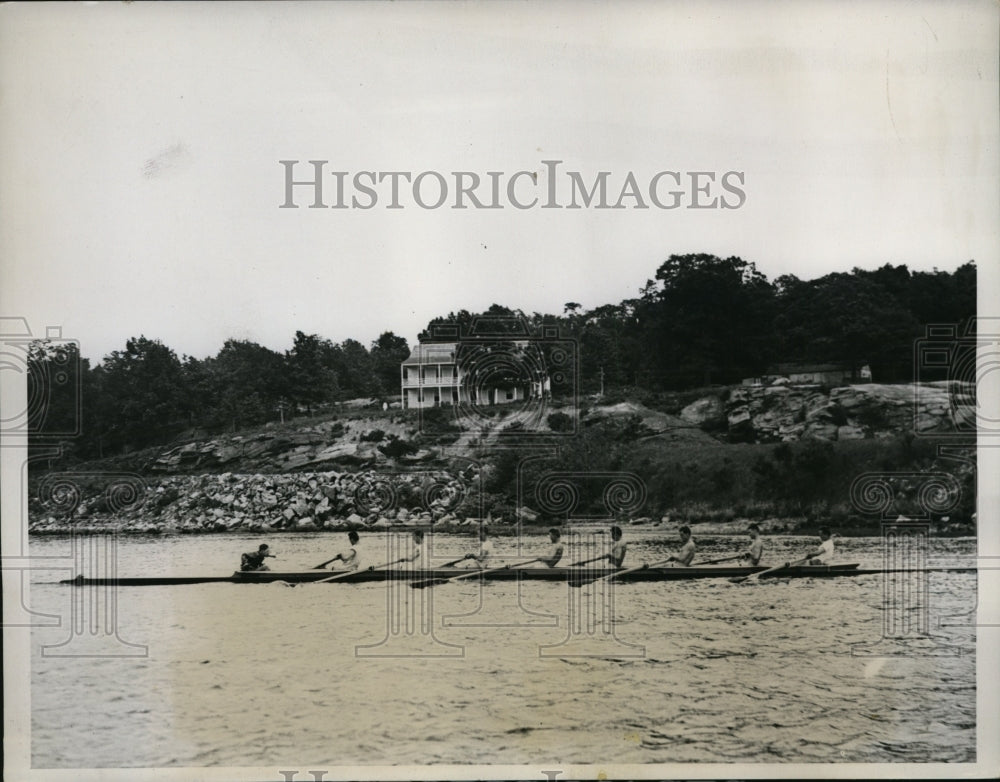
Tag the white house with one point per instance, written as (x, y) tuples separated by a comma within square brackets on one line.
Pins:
[(812, 374), (433, 375)]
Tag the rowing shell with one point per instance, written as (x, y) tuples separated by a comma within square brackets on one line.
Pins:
[(532, 574)]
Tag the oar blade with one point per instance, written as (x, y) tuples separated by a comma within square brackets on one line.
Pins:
[(428, 582), (577, 580)]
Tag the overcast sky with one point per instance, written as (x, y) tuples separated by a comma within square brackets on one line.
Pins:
[(140, 183)]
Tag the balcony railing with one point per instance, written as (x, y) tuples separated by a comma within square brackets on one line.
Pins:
[(444, 382)]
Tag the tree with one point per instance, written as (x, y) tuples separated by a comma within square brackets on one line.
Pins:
[(711, 321), (144, 384), (312, 378), (248, 383), (357, 373), (851, 319), (388, 352)]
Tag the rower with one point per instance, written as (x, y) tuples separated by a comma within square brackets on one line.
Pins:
[(485, 549), (555, 550), (351, 558), (254, 560), (416, 558), (617, 555), (756, 549), (822, 555), (685, 553)]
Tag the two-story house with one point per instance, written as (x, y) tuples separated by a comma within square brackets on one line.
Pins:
[(433, 375)]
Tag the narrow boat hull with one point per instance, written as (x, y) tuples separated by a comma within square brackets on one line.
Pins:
[(509, 574)]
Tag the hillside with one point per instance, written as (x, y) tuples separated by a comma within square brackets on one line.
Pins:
[(775, 453)]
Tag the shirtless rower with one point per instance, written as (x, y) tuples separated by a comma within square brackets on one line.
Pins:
[(618, 547), (686, 552), (555, 550), (756, 548)]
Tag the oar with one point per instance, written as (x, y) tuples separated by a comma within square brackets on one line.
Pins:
[(717, 561), (322, 565), (435, 581), (755, 576), (587, 561), (352, 572), (583, 578), (454, 561)]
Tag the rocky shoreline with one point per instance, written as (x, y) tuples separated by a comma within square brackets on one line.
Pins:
[(299, 502), (254, 483)]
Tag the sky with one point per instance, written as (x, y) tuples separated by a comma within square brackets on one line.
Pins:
[(140, 183)]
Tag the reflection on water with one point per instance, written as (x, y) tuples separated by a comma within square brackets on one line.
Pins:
[(268, 675)]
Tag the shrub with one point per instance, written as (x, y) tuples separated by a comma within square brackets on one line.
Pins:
[(396, 448), (560, 422)]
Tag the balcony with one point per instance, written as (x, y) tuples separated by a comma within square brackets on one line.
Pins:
[(431, 382)]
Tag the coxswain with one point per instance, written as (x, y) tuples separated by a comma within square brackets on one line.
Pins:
[(254, 560), (555, 550), (685, 553)]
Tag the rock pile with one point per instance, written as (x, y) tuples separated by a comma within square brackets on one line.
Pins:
[(787, 413), (253, 503), (347, 443)]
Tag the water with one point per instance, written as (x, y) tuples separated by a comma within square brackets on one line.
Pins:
[(268, 675)]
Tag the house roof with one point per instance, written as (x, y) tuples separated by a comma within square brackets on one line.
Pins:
[(432, 353), (786, 369)]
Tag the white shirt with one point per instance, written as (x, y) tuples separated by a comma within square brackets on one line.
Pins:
[(826, 547), (415, 560), (485, 553), (352, 558)]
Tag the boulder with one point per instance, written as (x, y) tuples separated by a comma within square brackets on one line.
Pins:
[(527, 514), (740, 424), (820, 428), (708, 410), (849, 432)]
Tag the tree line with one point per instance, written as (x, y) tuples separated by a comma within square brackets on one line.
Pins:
[(701, 320), (707, 320), (145, 394)]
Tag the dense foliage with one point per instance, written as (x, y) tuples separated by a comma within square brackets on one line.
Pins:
[(701, 320)]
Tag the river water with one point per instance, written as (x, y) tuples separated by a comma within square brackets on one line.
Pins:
[(325, 675)]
